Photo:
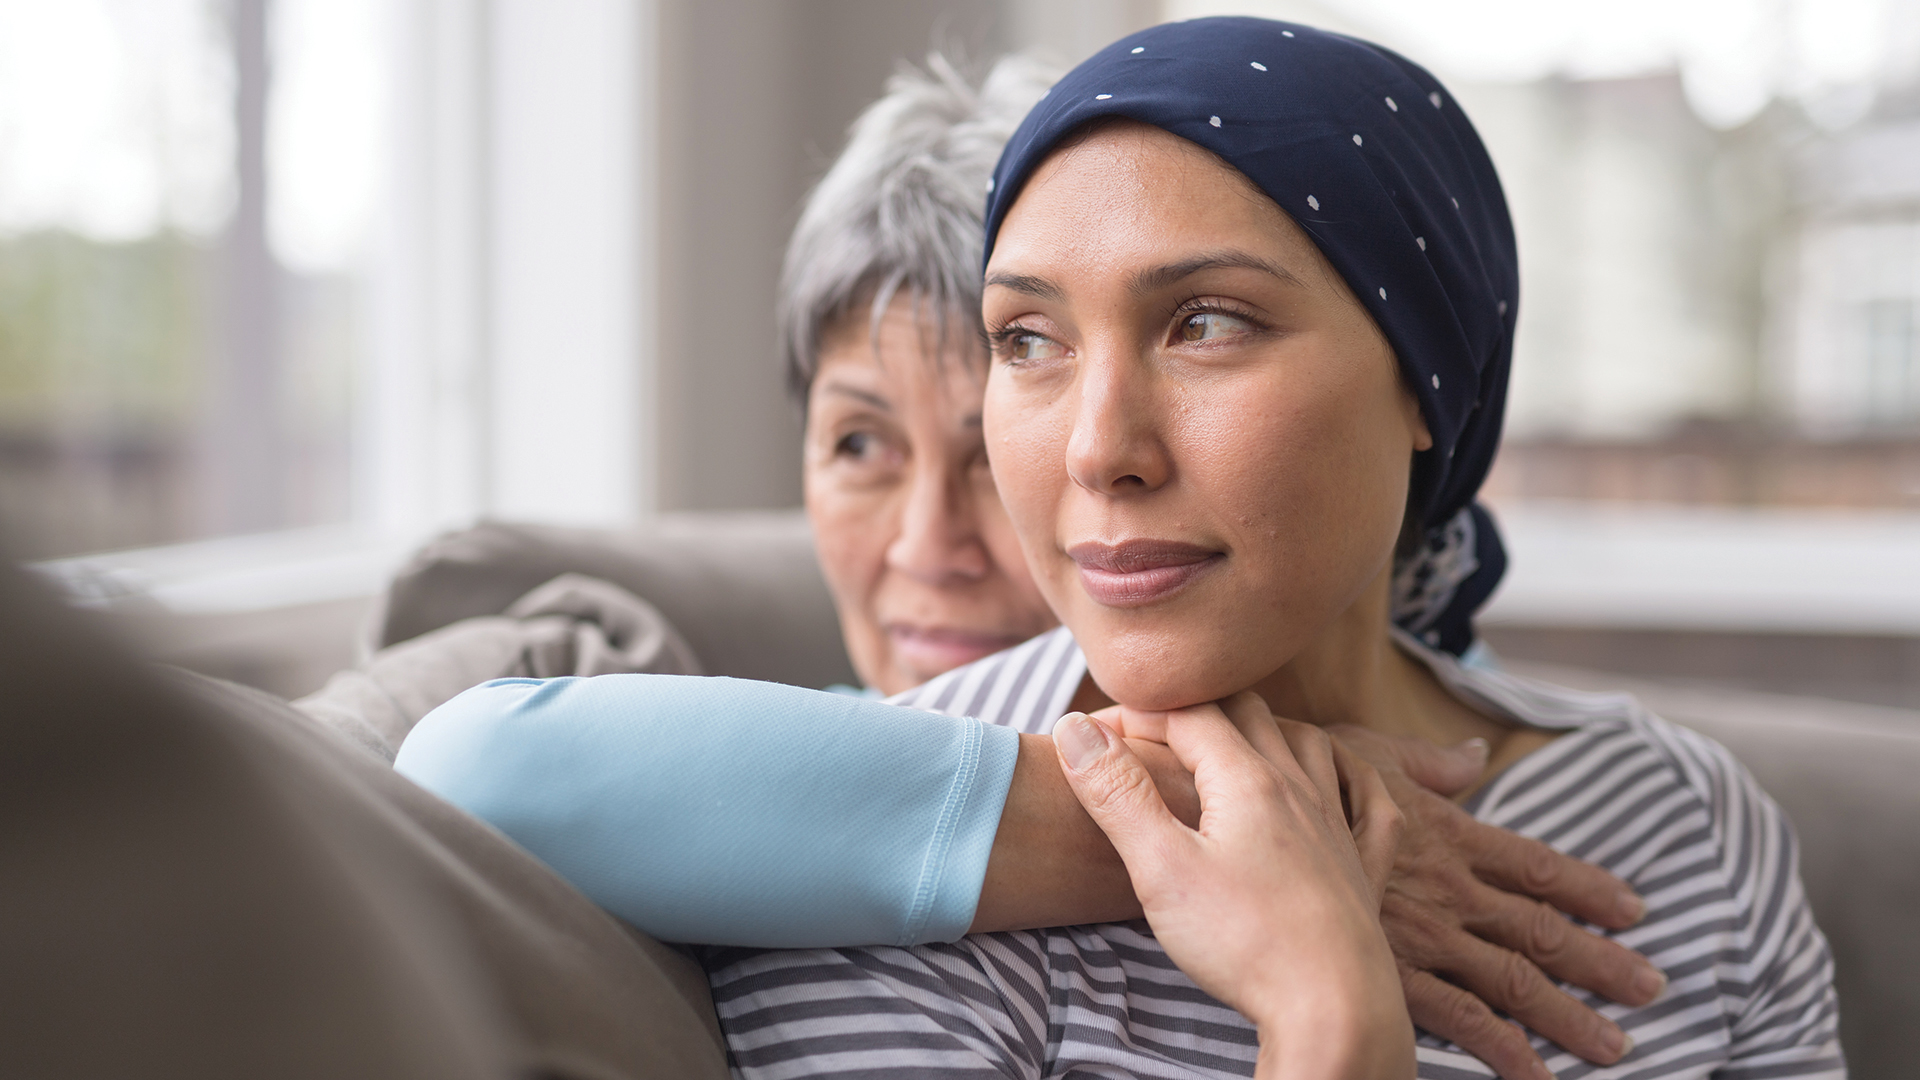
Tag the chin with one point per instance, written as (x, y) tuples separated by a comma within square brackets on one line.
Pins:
[(1155, 671)]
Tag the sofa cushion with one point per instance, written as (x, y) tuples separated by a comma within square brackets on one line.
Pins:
[(743, 590)]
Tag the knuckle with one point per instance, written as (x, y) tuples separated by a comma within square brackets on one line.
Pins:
[(1518, 979), (1392, 820), (1466, 1017), (1546, 934), (1455, 830), (1540, 867), (1414, 933), (1117, 789)]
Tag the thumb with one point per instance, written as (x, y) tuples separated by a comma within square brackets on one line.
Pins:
[(1440, 769), (1114, 786)]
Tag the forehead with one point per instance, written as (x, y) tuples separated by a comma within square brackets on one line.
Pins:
[(1124, 186), (902, 359)]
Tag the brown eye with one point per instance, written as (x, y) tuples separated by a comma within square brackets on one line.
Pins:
[(1208, 325), (1033, 347)]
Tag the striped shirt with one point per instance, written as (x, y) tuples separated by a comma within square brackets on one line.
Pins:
[(1751, 982)]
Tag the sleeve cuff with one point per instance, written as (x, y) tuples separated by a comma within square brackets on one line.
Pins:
[(956, 865)]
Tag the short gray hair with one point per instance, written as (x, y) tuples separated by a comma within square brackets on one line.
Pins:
[(902, 207)]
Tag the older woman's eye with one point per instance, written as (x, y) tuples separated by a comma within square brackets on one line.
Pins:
[(856, 444), (1207, 325)]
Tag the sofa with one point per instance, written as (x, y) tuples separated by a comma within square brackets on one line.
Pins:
[(745, 593)]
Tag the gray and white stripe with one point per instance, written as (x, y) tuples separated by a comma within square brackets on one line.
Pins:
[(1751, 991)]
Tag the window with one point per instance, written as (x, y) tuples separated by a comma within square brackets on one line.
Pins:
[(184, 199)]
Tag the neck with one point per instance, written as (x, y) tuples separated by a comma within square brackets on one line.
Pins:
[(1353, 673)]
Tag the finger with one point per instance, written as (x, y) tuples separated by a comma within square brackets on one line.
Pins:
[(1441, 769), (1118, 793), (1227, 771), (1314, 750), (1459, 1017), (1135, 723), (1256, 723), (1565, 951), (1511, 983), (1528, 867), (1375, 817)]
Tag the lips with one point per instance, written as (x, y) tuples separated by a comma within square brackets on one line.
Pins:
[(1135, 573), (938, 649)]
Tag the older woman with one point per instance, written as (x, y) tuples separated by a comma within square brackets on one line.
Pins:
[(879, 327), (1251, 290)]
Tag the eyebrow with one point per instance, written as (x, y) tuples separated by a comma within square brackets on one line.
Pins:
[(1037, 287), (863, 396), (1157, 277)]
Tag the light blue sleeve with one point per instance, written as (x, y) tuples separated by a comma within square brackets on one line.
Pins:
[(730, 812)]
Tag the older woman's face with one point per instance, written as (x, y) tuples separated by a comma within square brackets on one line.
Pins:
[(924, 567), (1199, 433)]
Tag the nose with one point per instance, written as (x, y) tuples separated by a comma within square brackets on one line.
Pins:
[(939, 541), (1115, 448)]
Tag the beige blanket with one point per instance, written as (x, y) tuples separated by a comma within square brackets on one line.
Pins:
[(572, 625)]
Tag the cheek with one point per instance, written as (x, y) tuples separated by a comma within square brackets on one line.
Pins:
[(1026, 447), (1310, 482), (1309, 459), (851, 530), (1003, 545)]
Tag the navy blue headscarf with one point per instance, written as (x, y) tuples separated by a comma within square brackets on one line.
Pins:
[(1372, 157)]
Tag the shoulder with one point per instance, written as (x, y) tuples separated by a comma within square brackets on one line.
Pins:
[(1619, 764), (1025, 688)]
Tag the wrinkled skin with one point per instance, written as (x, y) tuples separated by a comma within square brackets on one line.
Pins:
[(924, 568)]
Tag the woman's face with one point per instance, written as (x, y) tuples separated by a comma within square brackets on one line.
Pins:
[(1200, 435), (923, 564)]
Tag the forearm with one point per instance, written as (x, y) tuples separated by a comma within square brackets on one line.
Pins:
[(731, 812), (1051, 865)]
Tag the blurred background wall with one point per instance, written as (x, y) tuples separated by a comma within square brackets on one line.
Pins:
[(287, 285)]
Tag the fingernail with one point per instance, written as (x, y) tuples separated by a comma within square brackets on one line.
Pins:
[(1541, 1071), (1615, 1041), (1651, 983), (1081, 740), (1632, 907), (1475, 747)]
